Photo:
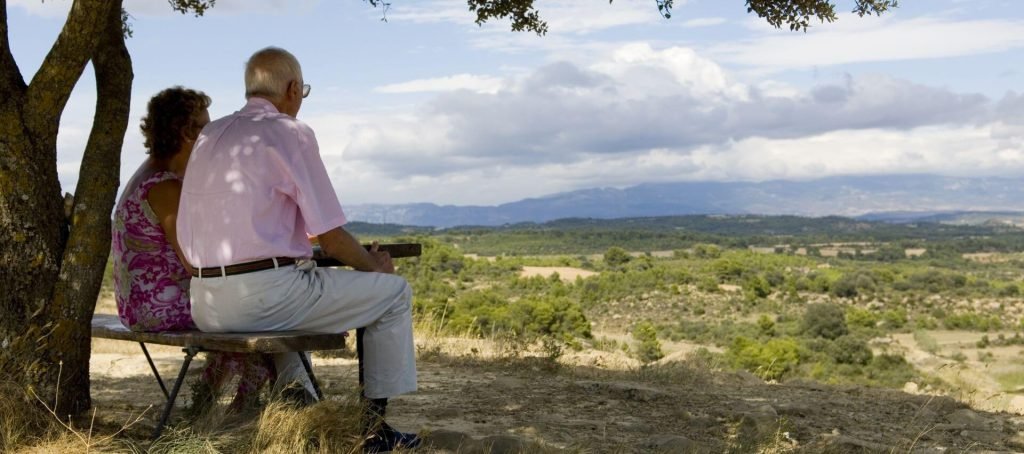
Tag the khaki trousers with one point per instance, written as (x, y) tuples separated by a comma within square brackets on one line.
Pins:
[(326, 300)]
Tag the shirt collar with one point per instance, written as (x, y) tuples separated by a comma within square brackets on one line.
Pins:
[(256, 105)]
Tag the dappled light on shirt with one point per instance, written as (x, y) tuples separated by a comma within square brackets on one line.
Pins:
[(231, 210)]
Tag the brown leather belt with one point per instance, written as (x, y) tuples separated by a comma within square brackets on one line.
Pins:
[(241, 268)]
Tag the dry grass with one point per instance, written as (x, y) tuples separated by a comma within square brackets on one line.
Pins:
[(28, 427), (21, 424), (328, 427)]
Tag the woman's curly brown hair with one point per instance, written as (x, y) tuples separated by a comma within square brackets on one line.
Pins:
[(171, 116)]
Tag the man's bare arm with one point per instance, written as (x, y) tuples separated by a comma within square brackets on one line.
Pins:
[(337, 243)]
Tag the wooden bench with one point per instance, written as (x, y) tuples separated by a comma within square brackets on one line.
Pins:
[(106, 326)]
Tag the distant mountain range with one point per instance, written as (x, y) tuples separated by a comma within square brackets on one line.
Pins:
[(891, 198)]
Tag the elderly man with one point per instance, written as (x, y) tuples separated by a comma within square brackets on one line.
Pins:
[(255, 187)]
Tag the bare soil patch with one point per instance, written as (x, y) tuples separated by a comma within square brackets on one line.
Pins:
[(566, 273)]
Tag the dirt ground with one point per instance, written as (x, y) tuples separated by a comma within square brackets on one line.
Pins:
[(567, 273), (481, 396), (474, 396), (978, 372)]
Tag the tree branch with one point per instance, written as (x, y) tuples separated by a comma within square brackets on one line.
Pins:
[(51, 86)]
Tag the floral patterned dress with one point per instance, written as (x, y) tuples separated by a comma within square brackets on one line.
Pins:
[(151, 286)]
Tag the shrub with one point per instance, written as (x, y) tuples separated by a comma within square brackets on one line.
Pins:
[(1010, 290), (890, 370), (707, 251), (852, 284), (487, 312), (862, 318), (973, 322), (616, 256), (824, 320), (766, 325), (708, 284), (895, 318), (985, 342), (757, 287), (771, 360), (727, 269), (648, 348), (851, 350)]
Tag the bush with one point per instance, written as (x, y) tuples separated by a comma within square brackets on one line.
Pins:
[(616, 256), (861, 318), (890, 370), (852, 284), (648, 348), (485, 313), (766, 325), (973, 322), (851, 350), (757, 287), (771, 360), (895, 318), (1010, 290), (824, 320), (727, 269), (708, 284), (707, 251)]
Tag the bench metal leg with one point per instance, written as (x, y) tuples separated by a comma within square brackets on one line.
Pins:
[(359, 353), (190, 352), (155, 372), (309, 372)]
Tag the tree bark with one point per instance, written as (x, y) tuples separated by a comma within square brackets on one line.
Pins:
[(40, 326)]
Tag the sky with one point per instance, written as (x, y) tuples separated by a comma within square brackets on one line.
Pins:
[(416, 103)]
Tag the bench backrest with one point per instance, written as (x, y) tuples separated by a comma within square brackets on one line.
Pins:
[(109, 327)]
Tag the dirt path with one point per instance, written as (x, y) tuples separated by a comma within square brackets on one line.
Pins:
[(975, 380)]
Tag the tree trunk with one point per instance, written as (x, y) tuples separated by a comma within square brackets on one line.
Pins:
[(44, 304), (88, 246)]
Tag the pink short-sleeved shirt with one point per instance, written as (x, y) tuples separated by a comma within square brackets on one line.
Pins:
[(254, 187)]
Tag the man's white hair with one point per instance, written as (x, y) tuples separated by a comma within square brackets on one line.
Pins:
[(268, 72)]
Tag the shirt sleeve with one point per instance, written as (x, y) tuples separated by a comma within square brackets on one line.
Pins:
[(314, 194)]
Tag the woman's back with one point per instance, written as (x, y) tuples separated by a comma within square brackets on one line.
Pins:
[(150, 283)]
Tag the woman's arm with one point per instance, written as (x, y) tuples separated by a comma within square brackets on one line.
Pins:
[(163, 199)]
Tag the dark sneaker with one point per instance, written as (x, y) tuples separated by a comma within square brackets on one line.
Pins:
[(387, 439)]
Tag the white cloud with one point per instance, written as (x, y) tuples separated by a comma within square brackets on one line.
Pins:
[(689, 70), (640, 114), (704, 22), (471, 82), (872, 39), (958, 151)]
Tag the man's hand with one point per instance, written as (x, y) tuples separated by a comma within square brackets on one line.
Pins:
[(337, 243), (383, 258)]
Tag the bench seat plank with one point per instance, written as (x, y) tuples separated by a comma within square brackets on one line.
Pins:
[(108, 326)]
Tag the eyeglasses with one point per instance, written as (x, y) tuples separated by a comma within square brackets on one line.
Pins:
[(306, 89)]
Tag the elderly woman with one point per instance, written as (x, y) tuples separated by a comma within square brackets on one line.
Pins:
[(151, 278)]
